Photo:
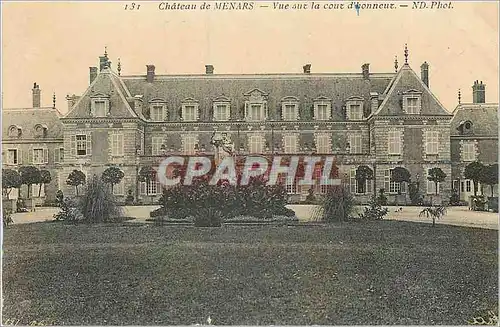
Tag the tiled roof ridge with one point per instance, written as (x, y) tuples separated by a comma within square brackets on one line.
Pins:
[(39, 108), (256, 75)]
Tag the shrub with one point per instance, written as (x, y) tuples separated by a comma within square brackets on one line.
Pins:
[(69, 211), (454, 198), (382, 199), (310, 198), (478, 203), (59, 197), (337, 205), (374, 211), (7, 217), (129, 200), (98, 203), (416, 197)]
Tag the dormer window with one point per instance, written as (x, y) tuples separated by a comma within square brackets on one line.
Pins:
[(465, 127), (190, 110), (290, 108), (15, 131), (354, 106), (221, 109), (99, 105), (412, 102), (40, 130), (256, 105), (322, 108), (157, 110)]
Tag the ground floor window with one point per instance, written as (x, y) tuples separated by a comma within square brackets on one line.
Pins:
[(392, 186), (119, 189), (152, 188)]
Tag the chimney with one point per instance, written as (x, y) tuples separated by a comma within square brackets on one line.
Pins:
[(150, 76), (92, 74), (478, 92), (307, 68), (36, 95), (365, 69), (102, 62), (72, 100), (209, 69), (424, 73)]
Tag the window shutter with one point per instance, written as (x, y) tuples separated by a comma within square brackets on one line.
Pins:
[(143, 188), (46, 155), (19, 157), (400, 149), (419, 105), (56, 155), (30, 155), (315, 111), (73, 145), (296, 109), (387, 180), (247, 116), (197, 112), (403, 187), (228, 111), (89, 143), (165, 112), (265, 111)]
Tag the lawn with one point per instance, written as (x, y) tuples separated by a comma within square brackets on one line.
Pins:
[(385, 272)]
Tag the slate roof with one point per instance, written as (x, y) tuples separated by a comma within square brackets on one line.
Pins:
[(406, 80), (484, 118), (28, 118)]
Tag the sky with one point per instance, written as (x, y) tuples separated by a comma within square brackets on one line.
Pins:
[(55, 43)]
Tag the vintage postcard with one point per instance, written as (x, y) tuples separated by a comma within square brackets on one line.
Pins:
[(250, 163)]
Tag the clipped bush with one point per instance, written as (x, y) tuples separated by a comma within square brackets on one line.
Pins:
[(98, 203), (374, 211), (382, 199), (454, 198)]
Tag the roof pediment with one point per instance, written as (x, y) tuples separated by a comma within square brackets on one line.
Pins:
[(412, 91), (156, 100), (99, 95), (256, 92), (322, 98), (221, 98), (290, 99), (190, 100), (355, 98)]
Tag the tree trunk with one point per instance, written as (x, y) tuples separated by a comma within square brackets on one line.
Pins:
[(433, 221), (474, 183), (40, 189), (29, 187), (491, 187), (76, 188)]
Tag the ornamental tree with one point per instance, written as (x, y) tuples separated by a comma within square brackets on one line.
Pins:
[(112, 176), (489, 176), (76, 178), (10, 179), (29, 175), (363, 173), (437, 176), (474, 171), (45, 178)]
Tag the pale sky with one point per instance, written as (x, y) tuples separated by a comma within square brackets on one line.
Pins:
[(54, 43)]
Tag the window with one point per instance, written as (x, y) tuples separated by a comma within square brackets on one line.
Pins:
[(119, 189), (468, 151), (290, 143), (323, 143), (117, 144), (394, 142), (462, 186), (156, 143), (412, 105), (291, 187), (189, 144), (81, 145), (322, 111), (190, 113), (151, 187), (256, 112), (59, 155), (468, 185), (39, 156), (14, 131), (221, 112), (99, 108), (360, 188), (289, 111), (431, 142), (355, 141), (256, 143), (156, 113), (391, 186), (355, 112), (431, 186), (12, 157), (455, 185)]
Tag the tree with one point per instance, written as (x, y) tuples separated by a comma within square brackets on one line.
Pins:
[(363, 173), (473, 171), (112, 176), (45, 178), (75, 179), (29, 175), (10, 179), (437, 176), (433, 212), (489, 176)]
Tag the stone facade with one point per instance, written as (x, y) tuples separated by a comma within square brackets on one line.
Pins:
[(381, 120)]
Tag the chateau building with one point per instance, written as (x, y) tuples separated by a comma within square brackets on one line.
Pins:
[(380, 120)]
